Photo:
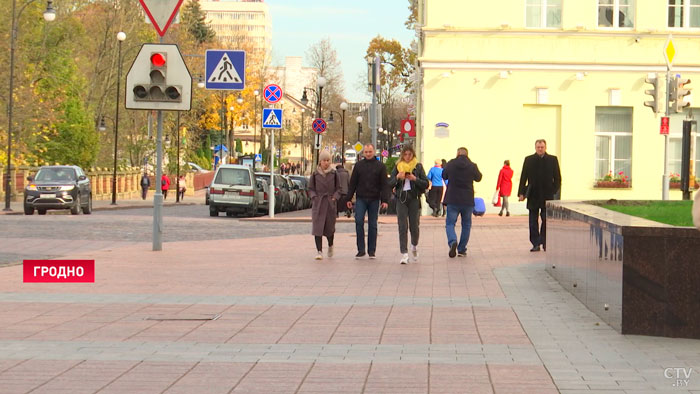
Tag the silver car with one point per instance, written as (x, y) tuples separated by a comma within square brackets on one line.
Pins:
[(234, 190)]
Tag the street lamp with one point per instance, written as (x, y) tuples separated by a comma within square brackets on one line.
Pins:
[(380, 131), (343, 107), (49, 15), (121, 36), (359, 126), (256, 93)]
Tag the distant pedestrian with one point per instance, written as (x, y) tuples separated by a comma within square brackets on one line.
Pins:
[(696, 210), (435, 187), (460, 174), (444, 190), (369, 181), (164, 185), (539, 182), (504, 185), (324, 189), (183, 187), (409, 182), (145, 184), (344, 177), (299, 168)]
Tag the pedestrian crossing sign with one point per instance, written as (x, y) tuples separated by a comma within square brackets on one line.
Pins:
[(272, 118), (224, 69)]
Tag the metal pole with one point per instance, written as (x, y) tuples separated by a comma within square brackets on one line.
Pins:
[(342, 141), (319, 115), (303, 148), (271, 198), (665, 177), (255, 127), (158, 197), (8, 173), (177, 182), (116, 127)]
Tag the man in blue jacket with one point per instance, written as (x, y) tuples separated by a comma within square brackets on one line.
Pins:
[(369, 181), (461, 173)]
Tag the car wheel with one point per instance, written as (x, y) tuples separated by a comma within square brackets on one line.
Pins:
[(213, 211), (75, 209), (41, 211), (88, 208), (28, 210), (230, 214)]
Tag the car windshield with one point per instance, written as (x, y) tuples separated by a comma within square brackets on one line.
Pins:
[(55, 175), (233, 176)]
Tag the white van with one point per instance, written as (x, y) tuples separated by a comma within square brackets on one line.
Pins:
[(350, 156)]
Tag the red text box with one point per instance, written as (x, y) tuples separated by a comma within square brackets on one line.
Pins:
[(59, 271)]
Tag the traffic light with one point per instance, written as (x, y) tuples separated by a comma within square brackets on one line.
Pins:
[(679, 92), (159, 80), (653, 92), (158, 90)]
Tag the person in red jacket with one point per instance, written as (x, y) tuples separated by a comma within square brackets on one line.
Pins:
[(505, 185), (164, 185)]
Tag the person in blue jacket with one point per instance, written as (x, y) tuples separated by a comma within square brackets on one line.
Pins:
[(435, 186)]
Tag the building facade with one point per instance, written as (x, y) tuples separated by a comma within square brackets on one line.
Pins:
[(236, 20), (571, 72)]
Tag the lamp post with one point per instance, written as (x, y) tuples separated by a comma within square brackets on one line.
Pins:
[(177, 174), (121, 36), (320, 83), (303, 148), (49, 15), (232, 131), (343, 108), (359, 126), (256, 93)]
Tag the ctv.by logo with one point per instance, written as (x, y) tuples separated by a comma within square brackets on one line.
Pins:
[(681, 375)]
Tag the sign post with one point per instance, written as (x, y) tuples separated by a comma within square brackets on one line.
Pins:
[(272, 119), (669, 54)]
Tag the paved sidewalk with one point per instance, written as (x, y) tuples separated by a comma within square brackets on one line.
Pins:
[(260, 315)]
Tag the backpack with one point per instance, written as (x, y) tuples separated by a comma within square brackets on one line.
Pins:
[(479, 206), (163, 182)]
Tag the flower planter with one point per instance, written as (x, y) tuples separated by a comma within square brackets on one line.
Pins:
[(677, 185), (612, 185)]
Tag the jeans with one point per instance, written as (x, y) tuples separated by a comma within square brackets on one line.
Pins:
[(538, 237), (453, 211), (371, 207), (408, 214)]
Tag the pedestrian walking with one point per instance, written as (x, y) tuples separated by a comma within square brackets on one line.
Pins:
[(183, 187), (444, 189), (344, 177), (504, 185), (324, 189), (145, 184), (409, 182), (540, 180), (164, 185), (369, 182), (435, 187), (460, 174)]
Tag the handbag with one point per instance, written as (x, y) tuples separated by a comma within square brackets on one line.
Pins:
[(495, 198)]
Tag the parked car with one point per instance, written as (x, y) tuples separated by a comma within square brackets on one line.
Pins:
[(263, 197), (196, 167), (58, 187), (304, 193), (281, 193), (233, 190), (304, 180), (294, 197)]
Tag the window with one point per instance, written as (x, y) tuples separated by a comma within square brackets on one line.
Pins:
[(233, 177), (616, 13), (675, 145), (684, 13), (543, 13), (613, 142)]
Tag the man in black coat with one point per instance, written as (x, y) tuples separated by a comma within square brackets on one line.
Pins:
[(460, 173), (369, 182), (539, 182)]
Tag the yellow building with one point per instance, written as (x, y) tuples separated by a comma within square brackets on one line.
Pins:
[(503, 74)]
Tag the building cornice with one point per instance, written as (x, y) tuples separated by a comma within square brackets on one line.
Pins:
[(607, 33), (430, 64)]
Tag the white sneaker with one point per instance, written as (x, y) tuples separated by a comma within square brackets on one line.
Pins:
[(404, 259), (319, 256), (414, 253), (330, 251)]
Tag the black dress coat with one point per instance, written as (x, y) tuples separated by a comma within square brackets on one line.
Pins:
[(540, 180)]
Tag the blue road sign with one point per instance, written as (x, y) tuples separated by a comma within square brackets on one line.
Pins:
[(224, 69), (258, 157), (272, 118), (319, 125), (272, 93)]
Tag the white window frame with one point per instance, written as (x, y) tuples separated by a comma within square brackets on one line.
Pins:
[(616, 16), (685, 21), (543, 15), (611, 149)]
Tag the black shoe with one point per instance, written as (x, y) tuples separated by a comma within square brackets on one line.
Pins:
[(535, 248), (371, 256), (453, 249), (462, 254), (507, 213), (500, 213), (359, 255)]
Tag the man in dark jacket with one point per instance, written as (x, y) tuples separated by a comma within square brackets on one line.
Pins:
[(145, 184), (539, 182), (369, 181), (460, 173)]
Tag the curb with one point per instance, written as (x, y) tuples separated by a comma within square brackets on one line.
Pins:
[(104, 208)]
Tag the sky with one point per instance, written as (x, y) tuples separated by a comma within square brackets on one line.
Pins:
[(350, 26)]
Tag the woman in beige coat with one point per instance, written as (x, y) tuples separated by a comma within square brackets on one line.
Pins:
[(324, 189), (696, 211)]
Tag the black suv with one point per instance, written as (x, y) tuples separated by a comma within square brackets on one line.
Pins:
[(58, 187)]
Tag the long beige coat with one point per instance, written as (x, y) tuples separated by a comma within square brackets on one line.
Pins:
[(323, 188), (696, 210)]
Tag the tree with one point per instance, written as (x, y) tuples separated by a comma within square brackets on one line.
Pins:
[(193, 20)]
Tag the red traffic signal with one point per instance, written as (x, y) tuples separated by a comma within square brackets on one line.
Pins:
[(158, 59)]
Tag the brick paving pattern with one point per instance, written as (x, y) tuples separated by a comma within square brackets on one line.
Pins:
[(259, 315)]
